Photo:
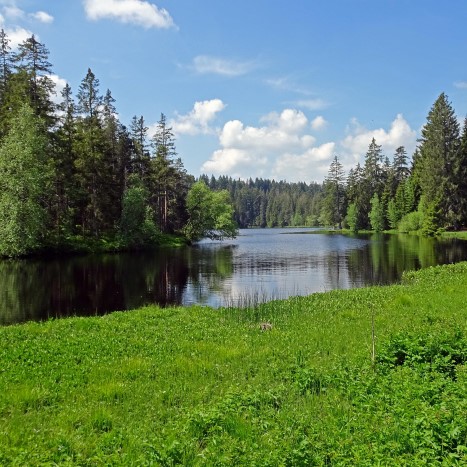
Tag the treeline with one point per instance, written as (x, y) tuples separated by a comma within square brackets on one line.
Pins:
[(429, 194), (267, 203), (71, 173), (426, 192)]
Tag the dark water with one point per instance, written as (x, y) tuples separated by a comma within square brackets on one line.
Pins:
[(258, 265)]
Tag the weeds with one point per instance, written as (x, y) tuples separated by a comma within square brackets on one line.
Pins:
[(197, 386)]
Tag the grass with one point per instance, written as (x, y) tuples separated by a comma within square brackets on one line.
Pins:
[(197, 386)]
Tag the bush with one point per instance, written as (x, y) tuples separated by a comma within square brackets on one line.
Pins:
[(411, 222)]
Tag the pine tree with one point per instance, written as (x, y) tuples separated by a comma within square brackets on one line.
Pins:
[(373, 171), (334, 201), (6, 62), (168, 183), (400, 165), (93, 174), (64, 195), (437, 161), (140, 157), (376, 214), (33, 59), (461, 177)]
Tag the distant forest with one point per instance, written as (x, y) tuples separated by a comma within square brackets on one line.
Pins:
[(425, 193), (71, 173)]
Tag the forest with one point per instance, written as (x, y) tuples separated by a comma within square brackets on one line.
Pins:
[(424, 193), (71, 174)]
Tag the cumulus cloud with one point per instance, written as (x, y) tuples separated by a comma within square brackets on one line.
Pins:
[(399, 134), (42, 17), (281, 148), (198, 120), (205, 64), (60, 84), (18, 35), (313, 161), (319, 123), (137, 12), (238, 163), (13, 12)]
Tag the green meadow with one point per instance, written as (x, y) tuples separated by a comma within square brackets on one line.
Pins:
[(373, 376)]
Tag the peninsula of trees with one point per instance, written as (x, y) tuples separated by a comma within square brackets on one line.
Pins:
[(72, 174)]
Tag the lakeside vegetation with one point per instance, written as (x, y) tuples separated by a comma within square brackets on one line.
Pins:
[(74, 178), (72, 174), (197, 386)]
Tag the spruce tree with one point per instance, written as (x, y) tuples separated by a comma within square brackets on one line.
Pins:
[(437, 161), (334, 201), (168, 183), (33, 59)]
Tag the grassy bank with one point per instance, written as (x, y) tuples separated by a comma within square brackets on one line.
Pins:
[(196, 386)]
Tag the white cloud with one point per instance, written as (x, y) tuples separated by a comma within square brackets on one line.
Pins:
[(13, 12), (312, 104), (42, 17), (18, 35), (280, 148), (137, 12), (199, 119), (319, 123), (314, 162), (461, 84), (399, 134), (60, 84), (237, 163), (204, 64), (287, 84)]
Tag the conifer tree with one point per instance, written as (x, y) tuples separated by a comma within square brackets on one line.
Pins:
[(168, 179), (437, 162), (6, 62), (461, 176), (92, 170), (33, 59), (140, 157), (334, 201), (64, 196)]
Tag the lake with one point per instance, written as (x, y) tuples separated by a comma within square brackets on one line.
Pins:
[(259, 265)]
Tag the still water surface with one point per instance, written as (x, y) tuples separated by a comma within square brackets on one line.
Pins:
[(261, 264)]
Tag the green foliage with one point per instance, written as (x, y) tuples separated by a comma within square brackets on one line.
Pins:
[(438, 156), (197, 386), (411, 222), (376, 214), (431, 215), (393, 214), (210, 214), (137, 225), (334, 195), (24, 176), (352, 217)]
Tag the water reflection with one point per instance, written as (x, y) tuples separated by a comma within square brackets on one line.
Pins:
[(261, 263)]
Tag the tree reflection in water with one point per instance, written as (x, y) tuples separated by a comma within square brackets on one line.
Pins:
[(263, 263)]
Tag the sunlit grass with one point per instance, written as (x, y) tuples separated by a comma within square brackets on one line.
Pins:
[(198, 386)]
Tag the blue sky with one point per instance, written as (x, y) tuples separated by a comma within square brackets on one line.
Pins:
[(261, 88)]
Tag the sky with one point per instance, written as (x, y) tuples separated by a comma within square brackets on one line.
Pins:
[(261, 88)]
